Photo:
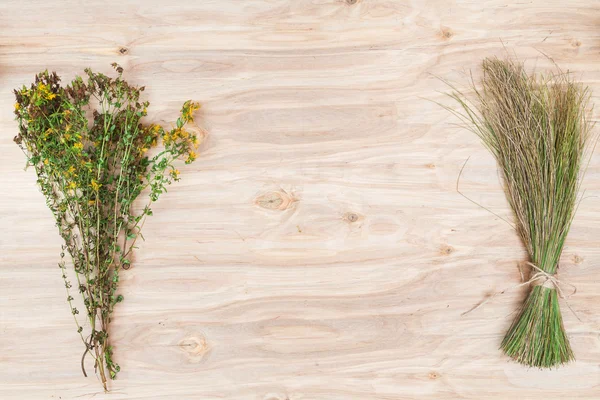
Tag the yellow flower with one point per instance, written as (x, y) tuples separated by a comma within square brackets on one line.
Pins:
[(188, 110), (91, 202), (175, 174), (71, 169), (78, 146), (17, 106), (67, 113), (191, 157), (94, 185), (46, 161), (44, 90), (72, 185), (143, 150), (68, 136)]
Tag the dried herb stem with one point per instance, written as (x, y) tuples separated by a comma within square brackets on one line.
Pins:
[(537, 129), (92, 172)]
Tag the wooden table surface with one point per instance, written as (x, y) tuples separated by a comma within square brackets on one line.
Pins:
[(318, 248)]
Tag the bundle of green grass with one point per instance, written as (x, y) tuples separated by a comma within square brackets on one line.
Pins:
[(537, 129)]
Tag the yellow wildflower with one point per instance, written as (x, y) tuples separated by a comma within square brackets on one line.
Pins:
[(195, 140), (72, 185), (78, 146), (188, 111), (45, 92), (91, 202), (46, 161), (71, 169), (175, 174), (68, 136), (191, 157), (94, 185), (67, 113), (17, 106)]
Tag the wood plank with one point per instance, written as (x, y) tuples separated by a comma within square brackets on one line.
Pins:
[(318, 248)]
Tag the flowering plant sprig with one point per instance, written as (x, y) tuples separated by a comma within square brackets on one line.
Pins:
[(90, 150)]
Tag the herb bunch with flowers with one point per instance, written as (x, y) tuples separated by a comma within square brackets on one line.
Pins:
[(90, 150)]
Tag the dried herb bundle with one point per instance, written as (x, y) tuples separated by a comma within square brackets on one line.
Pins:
[(89, 149), (536, 128)]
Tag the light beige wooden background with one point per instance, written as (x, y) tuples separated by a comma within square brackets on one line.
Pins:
[(318, 248)]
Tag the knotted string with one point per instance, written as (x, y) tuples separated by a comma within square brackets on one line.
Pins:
[(540, 278)]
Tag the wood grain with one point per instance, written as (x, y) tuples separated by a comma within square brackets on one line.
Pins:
[(318, 249)]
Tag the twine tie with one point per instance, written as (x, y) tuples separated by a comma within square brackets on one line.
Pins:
[(540, 278)]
